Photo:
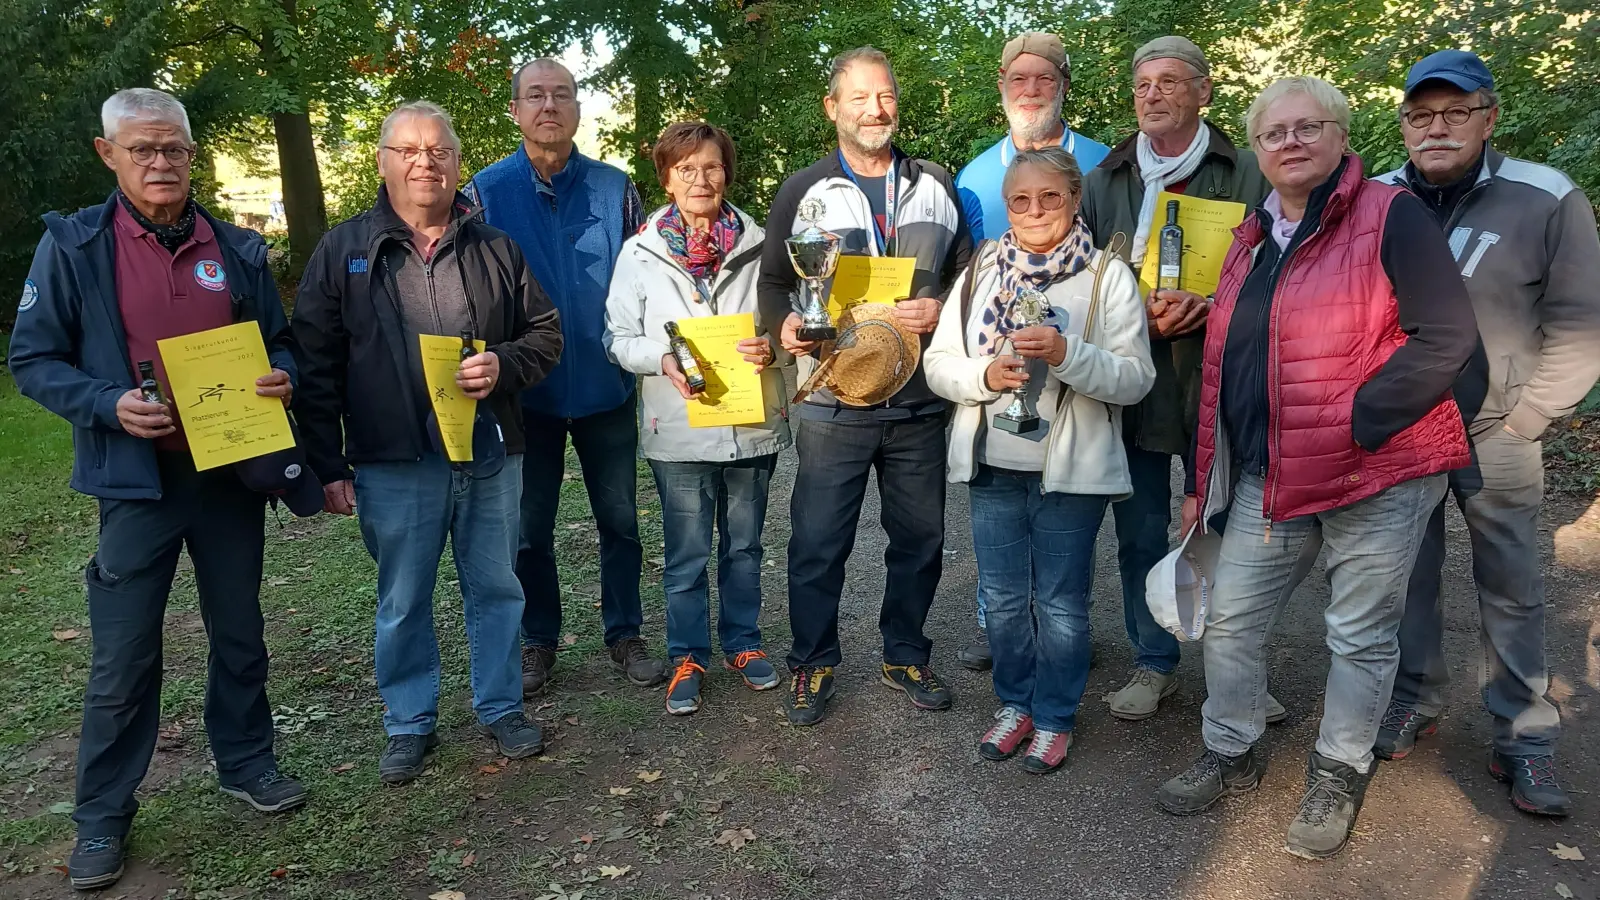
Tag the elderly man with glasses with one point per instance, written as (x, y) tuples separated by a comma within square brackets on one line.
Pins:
[(570, 215), (107, 283), (1174, 150), (1524, 237)]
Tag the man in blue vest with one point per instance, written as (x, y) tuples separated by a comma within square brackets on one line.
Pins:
[(570, 215)]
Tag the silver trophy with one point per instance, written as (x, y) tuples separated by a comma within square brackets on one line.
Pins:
[(814, 253), (1028, 308)]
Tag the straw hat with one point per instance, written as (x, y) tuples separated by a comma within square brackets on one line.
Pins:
[(872, 359)]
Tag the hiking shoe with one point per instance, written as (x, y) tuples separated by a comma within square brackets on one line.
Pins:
[(515, 737), (1399, 730), (405, 756), (813, 688), (976, 656), (1534, 788), (631, 656), (1047, 751), (1011, 727), (1328, 808), (920, 684), (754, 667), (269, 792), (537, 663), (683, 691), (1275, 711), (1212, 777), (1141, 697), (96, 862)]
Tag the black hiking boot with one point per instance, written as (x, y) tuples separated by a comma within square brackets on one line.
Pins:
[(537, 663), (269, 792), (96, 862), (632, 657), (1399, 730), (405, 756), (515, 737), (1534, 788), (1212, 777)]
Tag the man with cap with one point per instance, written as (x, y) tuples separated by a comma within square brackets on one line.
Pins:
[(1174, 150), (1035, 75), (107, 284), (1524, 237), (421, 262)]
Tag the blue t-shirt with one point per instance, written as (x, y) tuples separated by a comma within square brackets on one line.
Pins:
[(979, 183)]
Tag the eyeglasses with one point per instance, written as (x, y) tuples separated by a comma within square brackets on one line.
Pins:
[(437, 154), (1455, 115), (1046, 81), (712, 174), (177, 157), (1049, 201), (1306, 132), (559, 98), (1164, 85)]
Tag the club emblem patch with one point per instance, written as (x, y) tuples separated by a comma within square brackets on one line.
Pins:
[(209, 275), (30, 296)]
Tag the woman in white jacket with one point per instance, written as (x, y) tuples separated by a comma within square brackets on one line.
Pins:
[(699, 256), (1037, 497)]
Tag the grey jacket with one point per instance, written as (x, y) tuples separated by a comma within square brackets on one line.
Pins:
[(1525, 238), (1112, 192)]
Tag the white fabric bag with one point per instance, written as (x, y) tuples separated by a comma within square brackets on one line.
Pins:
[(1178, 590)]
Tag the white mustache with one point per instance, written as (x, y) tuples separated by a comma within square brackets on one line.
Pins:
[(1438, 144), (161, 178)]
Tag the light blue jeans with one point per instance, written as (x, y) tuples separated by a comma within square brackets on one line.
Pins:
[(1372, 546), (407, 511)]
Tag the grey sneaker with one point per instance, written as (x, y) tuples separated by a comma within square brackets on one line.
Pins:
[(1212, 777), (269, 792), (515, 736), (405, 756), (96, 862), (631, 656), (976, 656), (1328, 809), (1141, 697), (1275, 711)]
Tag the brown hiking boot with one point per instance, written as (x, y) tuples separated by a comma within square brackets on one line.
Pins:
[(536, 665), (631, 656)]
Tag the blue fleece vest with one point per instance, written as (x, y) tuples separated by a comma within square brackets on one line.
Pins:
[(571, 243)]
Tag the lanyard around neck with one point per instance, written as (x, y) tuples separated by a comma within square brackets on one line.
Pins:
[(885, 235)]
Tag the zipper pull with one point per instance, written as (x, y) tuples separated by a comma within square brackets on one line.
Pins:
[(1267, 537)]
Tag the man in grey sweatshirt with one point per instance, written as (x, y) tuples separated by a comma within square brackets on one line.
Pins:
[(1524, 236)]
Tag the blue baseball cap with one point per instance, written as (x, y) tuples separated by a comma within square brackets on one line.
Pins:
[(1458, 67)]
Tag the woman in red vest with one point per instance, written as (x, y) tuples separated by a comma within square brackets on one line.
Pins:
[(1339, 327)]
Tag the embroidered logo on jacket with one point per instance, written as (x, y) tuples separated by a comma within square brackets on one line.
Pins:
[(357, 265), (209, 275), (30, 296)]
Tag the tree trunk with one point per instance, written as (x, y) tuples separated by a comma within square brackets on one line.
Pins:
[(303, 204)]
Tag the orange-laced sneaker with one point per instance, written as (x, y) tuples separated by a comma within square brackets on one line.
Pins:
[(683, 692), (755, 668)]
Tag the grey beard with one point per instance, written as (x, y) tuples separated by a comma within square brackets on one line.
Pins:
[(854, 139), (1027, 133)]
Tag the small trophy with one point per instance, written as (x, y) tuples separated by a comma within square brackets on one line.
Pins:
[(1028, 309), (814, 253)]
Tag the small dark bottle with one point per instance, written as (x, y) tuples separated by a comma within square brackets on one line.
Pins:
[(149, 387), (468, 348), (1170, 274), (686, 360)]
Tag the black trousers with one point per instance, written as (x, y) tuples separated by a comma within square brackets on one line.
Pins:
[(129, 578)]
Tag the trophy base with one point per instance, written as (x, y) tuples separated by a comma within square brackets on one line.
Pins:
[(814, 333), (1017, 426)]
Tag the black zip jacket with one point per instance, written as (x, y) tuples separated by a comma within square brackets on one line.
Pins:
[(357, 401)]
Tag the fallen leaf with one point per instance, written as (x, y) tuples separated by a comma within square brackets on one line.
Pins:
[(64, 808), (735, 837), (650, 777), (710, 806), (586, 839), (580, 858), (621, 791), (16, 571), (802, 770), (458, 842), (662, 817), (1562, 851), (343, 767), (277, 581), (519, 821), (615, 872), (489, 769), (468, 861), (572, 720), (749, 720), (448, 895), (1563, 891), (570, 639), (66, 634), (279, 872)]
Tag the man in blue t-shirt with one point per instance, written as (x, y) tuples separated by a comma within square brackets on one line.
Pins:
[(1034, 77)]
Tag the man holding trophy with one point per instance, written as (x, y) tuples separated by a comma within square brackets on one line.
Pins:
[(865, 199)]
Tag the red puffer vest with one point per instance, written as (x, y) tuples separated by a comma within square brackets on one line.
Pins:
[(1334, 323)]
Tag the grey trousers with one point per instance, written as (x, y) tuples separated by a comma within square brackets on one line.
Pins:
[(1499, 496)]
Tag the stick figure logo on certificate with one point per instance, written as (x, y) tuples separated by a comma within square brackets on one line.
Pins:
[(218, 392)]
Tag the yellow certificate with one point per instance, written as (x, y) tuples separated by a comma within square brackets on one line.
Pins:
[(1207, 232), (870, 279), (733, 388), (441, 357), (213, 379)]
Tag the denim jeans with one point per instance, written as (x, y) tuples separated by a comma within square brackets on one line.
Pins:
[(1499, 496), (407, 511), (732, 497), (1142, 521), (1036, 552), (1372, 545), (220, 522), (607, 445), (836, 458)]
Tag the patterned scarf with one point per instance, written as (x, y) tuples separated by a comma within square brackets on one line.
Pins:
[(1020, 269), (171, 236), (700, 252)]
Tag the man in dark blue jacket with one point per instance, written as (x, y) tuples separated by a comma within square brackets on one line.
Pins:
[(570, 214), (107, 283)]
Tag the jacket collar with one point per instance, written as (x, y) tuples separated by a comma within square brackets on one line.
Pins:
[(388, 224), (1408, 178), (571, 172), (904, 166), (1327, 205), (1127, 152), (86, 224)]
